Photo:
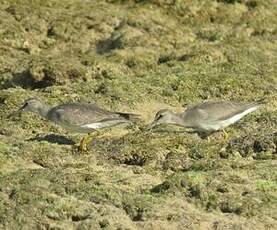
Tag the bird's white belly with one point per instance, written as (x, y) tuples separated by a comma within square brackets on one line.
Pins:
[(103, 124), (217, 125), (87, 128), (96, 125), (75, 128)]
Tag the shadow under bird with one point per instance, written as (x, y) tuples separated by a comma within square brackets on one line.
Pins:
[(78, 117), (207, 117)]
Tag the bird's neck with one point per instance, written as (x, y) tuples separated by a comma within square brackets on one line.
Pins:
[(43, 111), (177, 120)]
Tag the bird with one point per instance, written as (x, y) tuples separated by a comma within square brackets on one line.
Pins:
[(207, 117), (77, 117)]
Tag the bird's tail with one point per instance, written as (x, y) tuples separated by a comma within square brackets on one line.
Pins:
[(130, 116), (257, 103)]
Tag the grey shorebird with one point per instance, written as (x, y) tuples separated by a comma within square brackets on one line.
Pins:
[(207, 117), (78, 117)]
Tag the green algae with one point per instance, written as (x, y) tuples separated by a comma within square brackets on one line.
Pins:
[(138, 56)]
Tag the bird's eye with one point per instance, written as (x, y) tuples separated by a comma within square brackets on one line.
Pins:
[(25, 105), (159, 116)]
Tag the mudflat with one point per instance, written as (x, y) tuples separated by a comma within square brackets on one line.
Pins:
[(139, 57)]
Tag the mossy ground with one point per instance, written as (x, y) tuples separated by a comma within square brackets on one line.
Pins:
[(138, 56)]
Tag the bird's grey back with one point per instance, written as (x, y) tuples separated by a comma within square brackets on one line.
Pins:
[(79, 114), (216, 111)]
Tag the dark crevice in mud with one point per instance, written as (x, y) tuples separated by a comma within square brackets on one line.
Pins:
[(115, 41), (12, 195), (251, 4), (165, 59), (51, 32), (226, 208), (230, 1), (43, 76), (135, 160), (53, 217), (104, 223), (13, 11), (185, 57), (259, 146), (107, 45), (38, 162), (160, 188), (194, 192), (171, 57), (77, 218), (135, 213), (102, 89), (26, 80), (2, 100), (210, 37)]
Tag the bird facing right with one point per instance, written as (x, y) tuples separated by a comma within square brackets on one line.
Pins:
[(207, 117)]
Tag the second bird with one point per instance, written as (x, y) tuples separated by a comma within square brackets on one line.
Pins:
[(207, 117)]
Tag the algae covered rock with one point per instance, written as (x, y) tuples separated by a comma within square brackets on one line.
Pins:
[(138, 56)]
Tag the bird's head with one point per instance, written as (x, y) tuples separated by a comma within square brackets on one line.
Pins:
[(163, 116), (32, 104)]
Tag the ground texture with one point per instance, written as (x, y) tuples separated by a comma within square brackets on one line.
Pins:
[(138, 56)]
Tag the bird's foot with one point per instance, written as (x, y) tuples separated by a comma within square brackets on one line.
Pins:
[(225, 134), (82, 147)]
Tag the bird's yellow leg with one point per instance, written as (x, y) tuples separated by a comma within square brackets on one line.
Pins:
[(83, 144), (85, 140), (225, 134), (88, 138), (208, 139)]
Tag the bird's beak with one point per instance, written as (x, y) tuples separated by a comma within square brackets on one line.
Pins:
[(152, 125), (17, 112)]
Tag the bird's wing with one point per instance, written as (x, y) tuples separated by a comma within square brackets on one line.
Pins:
[(80, 114), (216, 111), (193, 115)]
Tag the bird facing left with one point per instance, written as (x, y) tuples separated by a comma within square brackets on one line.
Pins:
[(78, 117)]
